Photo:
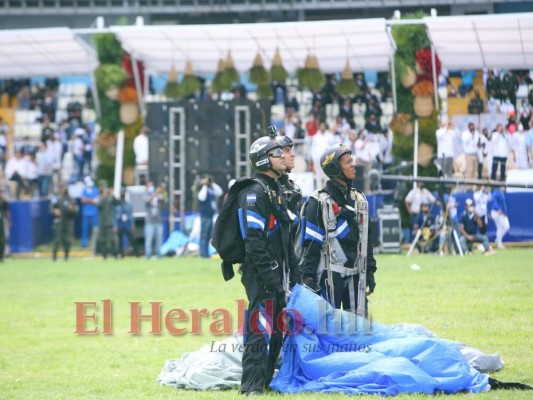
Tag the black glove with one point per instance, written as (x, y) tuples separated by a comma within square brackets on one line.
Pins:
[(310, 282), (370, 282), (347, 214), (295, 275), (271, 278)]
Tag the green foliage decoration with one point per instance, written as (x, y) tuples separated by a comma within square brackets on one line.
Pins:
[(109, 76), (108, 48)]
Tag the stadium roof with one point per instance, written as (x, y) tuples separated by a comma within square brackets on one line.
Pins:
[(489, 41), (364, 42), (44, 52), (475, 41)]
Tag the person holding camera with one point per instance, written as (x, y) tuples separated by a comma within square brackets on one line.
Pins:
[(469, 226), (154, 201), (208, 196)]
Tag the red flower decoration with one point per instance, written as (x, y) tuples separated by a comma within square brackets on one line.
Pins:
[(423, 59)]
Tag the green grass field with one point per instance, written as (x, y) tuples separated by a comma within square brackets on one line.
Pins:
[(485, 302)]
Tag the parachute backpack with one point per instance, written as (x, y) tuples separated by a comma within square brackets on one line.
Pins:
[(226, 237)]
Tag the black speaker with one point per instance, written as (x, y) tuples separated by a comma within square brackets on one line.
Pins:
[(158, 163), (360, 178), (374, 232)]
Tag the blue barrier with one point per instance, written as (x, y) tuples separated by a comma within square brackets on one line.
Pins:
[(519, 213), (32, 223)]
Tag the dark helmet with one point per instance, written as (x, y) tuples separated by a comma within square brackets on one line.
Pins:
[(329, 160), (284, 141), (259, 151)]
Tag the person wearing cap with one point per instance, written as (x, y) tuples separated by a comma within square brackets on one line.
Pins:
[(123, 224), (208, 196), (469, 226), (341, 198), (431, 228), (63, 209), (415, 198)]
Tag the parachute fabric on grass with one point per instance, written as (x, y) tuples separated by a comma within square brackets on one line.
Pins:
[(388, 361)]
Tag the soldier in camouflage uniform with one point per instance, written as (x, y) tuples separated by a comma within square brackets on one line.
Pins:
[(4, 224), (106, 209), (64, 210)]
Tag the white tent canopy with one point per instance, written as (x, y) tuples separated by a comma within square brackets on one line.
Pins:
[(483, 41), (476, 41), (44, 52), (364, 42)]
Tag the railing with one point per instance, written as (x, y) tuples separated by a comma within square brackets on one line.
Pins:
[(108, 7)]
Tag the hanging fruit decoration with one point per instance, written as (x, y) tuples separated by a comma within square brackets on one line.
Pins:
[(190, 83), (172, 89), (260, 76), (347, 85), (310, 75), (219, 84), (277, 70)]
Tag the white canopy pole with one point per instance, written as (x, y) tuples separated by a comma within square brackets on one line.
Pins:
[(393, 68), (119, 158), (415, 154), (435, 83), (393, 78)]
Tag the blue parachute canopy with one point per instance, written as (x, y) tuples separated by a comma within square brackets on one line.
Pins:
[(328, 354)]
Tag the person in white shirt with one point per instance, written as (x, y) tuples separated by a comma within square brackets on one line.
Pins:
[(518, 144), (493, 104), (44, 169), (16, 171), (507, 107), (289, 129), (470, 139), (445, 148), (140, 147), (500, 150), (415, 198), (319, 143), (55, 149), (350, 140), (481, 200)]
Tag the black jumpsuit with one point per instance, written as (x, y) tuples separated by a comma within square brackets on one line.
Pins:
[(264, 224)]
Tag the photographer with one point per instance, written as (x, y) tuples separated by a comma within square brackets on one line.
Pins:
[(207, 206), (469, 226), (154, 201)]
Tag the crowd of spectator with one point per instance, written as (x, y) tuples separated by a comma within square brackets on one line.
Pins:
[(368, 136), (36, 166), (487, 152)]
